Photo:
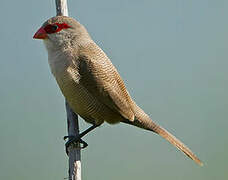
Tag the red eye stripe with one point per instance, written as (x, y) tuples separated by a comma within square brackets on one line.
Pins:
[(53, 28), (63, 25)]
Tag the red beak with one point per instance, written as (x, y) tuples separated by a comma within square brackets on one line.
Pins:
[(40, 34)]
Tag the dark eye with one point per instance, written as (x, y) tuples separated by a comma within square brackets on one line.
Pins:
[(51, 28), (54, 27)]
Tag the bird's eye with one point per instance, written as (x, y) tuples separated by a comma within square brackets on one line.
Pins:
[(51, 28), (54, 28)]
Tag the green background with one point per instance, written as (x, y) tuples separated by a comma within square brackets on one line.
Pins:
[(172, 56)]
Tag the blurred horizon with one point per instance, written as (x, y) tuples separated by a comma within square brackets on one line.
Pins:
[(172, 56)]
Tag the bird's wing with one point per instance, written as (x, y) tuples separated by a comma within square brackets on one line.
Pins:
[(101, 79)]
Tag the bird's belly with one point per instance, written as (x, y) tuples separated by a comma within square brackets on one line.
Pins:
[(83, 103)]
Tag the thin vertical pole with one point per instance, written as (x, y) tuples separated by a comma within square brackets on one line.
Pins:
[(72, 118)]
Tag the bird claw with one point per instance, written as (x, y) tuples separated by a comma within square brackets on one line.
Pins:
[(74, 140), (65, 137), (77, 139)]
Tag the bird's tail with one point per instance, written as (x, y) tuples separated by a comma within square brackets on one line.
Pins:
[(142, 120)]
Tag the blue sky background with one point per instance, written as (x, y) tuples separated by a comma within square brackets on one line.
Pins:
[(172, 56)]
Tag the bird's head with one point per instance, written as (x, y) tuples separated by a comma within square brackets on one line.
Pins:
[(62, 32)]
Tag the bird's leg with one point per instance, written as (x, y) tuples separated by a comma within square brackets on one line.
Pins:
[(77, 139)]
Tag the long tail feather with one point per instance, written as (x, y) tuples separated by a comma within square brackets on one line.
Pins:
[(143, 121)]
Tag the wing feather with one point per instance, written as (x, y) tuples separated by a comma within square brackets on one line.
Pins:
[(101, 79)]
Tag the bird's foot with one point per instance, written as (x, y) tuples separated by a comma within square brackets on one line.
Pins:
[(77, 139), (74, 140)]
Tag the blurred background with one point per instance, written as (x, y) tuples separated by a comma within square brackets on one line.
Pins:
[(172, 56)]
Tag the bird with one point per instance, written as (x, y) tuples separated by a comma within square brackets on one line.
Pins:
[(90, 83)]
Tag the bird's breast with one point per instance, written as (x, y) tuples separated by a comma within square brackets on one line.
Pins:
[(79, 97)]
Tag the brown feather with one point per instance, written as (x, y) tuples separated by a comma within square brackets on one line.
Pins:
[(102, 80)]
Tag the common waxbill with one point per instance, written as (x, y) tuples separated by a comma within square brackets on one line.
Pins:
[(89, 81)]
